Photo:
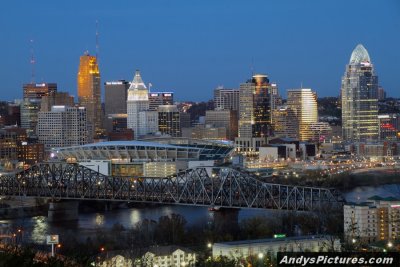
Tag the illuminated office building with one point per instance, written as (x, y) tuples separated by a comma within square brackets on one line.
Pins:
[(157, 99), (360, 98), (137, 103), (226, 99), (29, 115), (389, 127), (89, 91), (169, 120), (284, 122), (255, 107), (63, 126), (38, 90), (255, 103), (303, 103), (224, 118), (56, 99)]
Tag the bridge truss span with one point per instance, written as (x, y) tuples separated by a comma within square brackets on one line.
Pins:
[(202, 186)]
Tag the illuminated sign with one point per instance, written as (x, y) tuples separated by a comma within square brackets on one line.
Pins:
[(167, 94), (40, 85), (52, 239), (153, 94), (395, 206), (279, 235), (114, 83)]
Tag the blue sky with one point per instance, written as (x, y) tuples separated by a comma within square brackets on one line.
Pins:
[(191, 47)]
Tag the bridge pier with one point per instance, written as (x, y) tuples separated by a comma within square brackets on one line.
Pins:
[(63, 211), (226, 221)]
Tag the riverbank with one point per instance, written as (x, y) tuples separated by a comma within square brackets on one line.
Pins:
[(344, 182)]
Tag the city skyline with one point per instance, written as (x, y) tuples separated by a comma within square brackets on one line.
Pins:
[(193, 48)]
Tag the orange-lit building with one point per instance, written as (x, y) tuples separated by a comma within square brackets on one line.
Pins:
[(89, 91)]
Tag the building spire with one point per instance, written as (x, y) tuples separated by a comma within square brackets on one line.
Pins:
[(137, 82)]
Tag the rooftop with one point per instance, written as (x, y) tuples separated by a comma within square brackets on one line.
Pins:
[(122, 143), (360, 54)]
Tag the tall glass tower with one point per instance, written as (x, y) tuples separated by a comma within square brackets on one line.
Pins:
[(360, 98), (89, 91), (255, 107), (303, 103)]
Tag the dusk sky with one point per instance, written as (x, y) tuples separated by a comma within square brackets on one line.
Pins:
[(191, 47)]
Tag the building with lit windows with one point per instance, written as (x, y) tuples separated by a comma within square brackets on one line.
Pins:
[(284, 122), (153, 157), (56, 99), (374, 220), (38, 90), (169, 121), (224, 118), (138, 101), (89, 92), (169, 256), (320, 131), (29, 115), (303, 102), (226, 99), (63, 126), (160, 98), (360, 98), (389, 127), (245, 248), (205, 131), (255, 106)]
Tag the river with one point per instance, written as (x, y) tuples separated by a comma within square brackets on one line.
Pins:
[(36, 228)]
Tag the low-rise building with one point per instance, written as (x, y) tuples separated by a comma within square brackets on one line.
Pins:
[(376, 219), (244, 248), (169, 256)]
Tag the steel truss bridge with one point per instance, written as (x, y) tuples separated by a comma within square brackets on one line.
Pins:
[(205, 186)]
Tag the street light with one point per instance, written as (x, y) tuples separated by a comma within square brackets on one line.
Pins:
[(390, 244), (260, 255), (353, 241), (209, 245)]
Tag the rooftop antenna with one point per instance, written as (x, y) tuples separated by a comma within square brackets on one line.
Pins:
[(301, 85), (97, 41), (32, 61), (150, 85), (252, 66)]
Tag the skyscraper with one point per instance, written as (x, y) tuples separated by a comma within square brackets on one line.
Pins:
[(33, 94), (284, 122), (38, 90), (89, 91), (62, 126), (226, 99), (360, 98), (30, 108), (56, 99), (115, 97), (138, 101), (160, 98), (303, 102), (255, 100), (224, 118), (169, 120)]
